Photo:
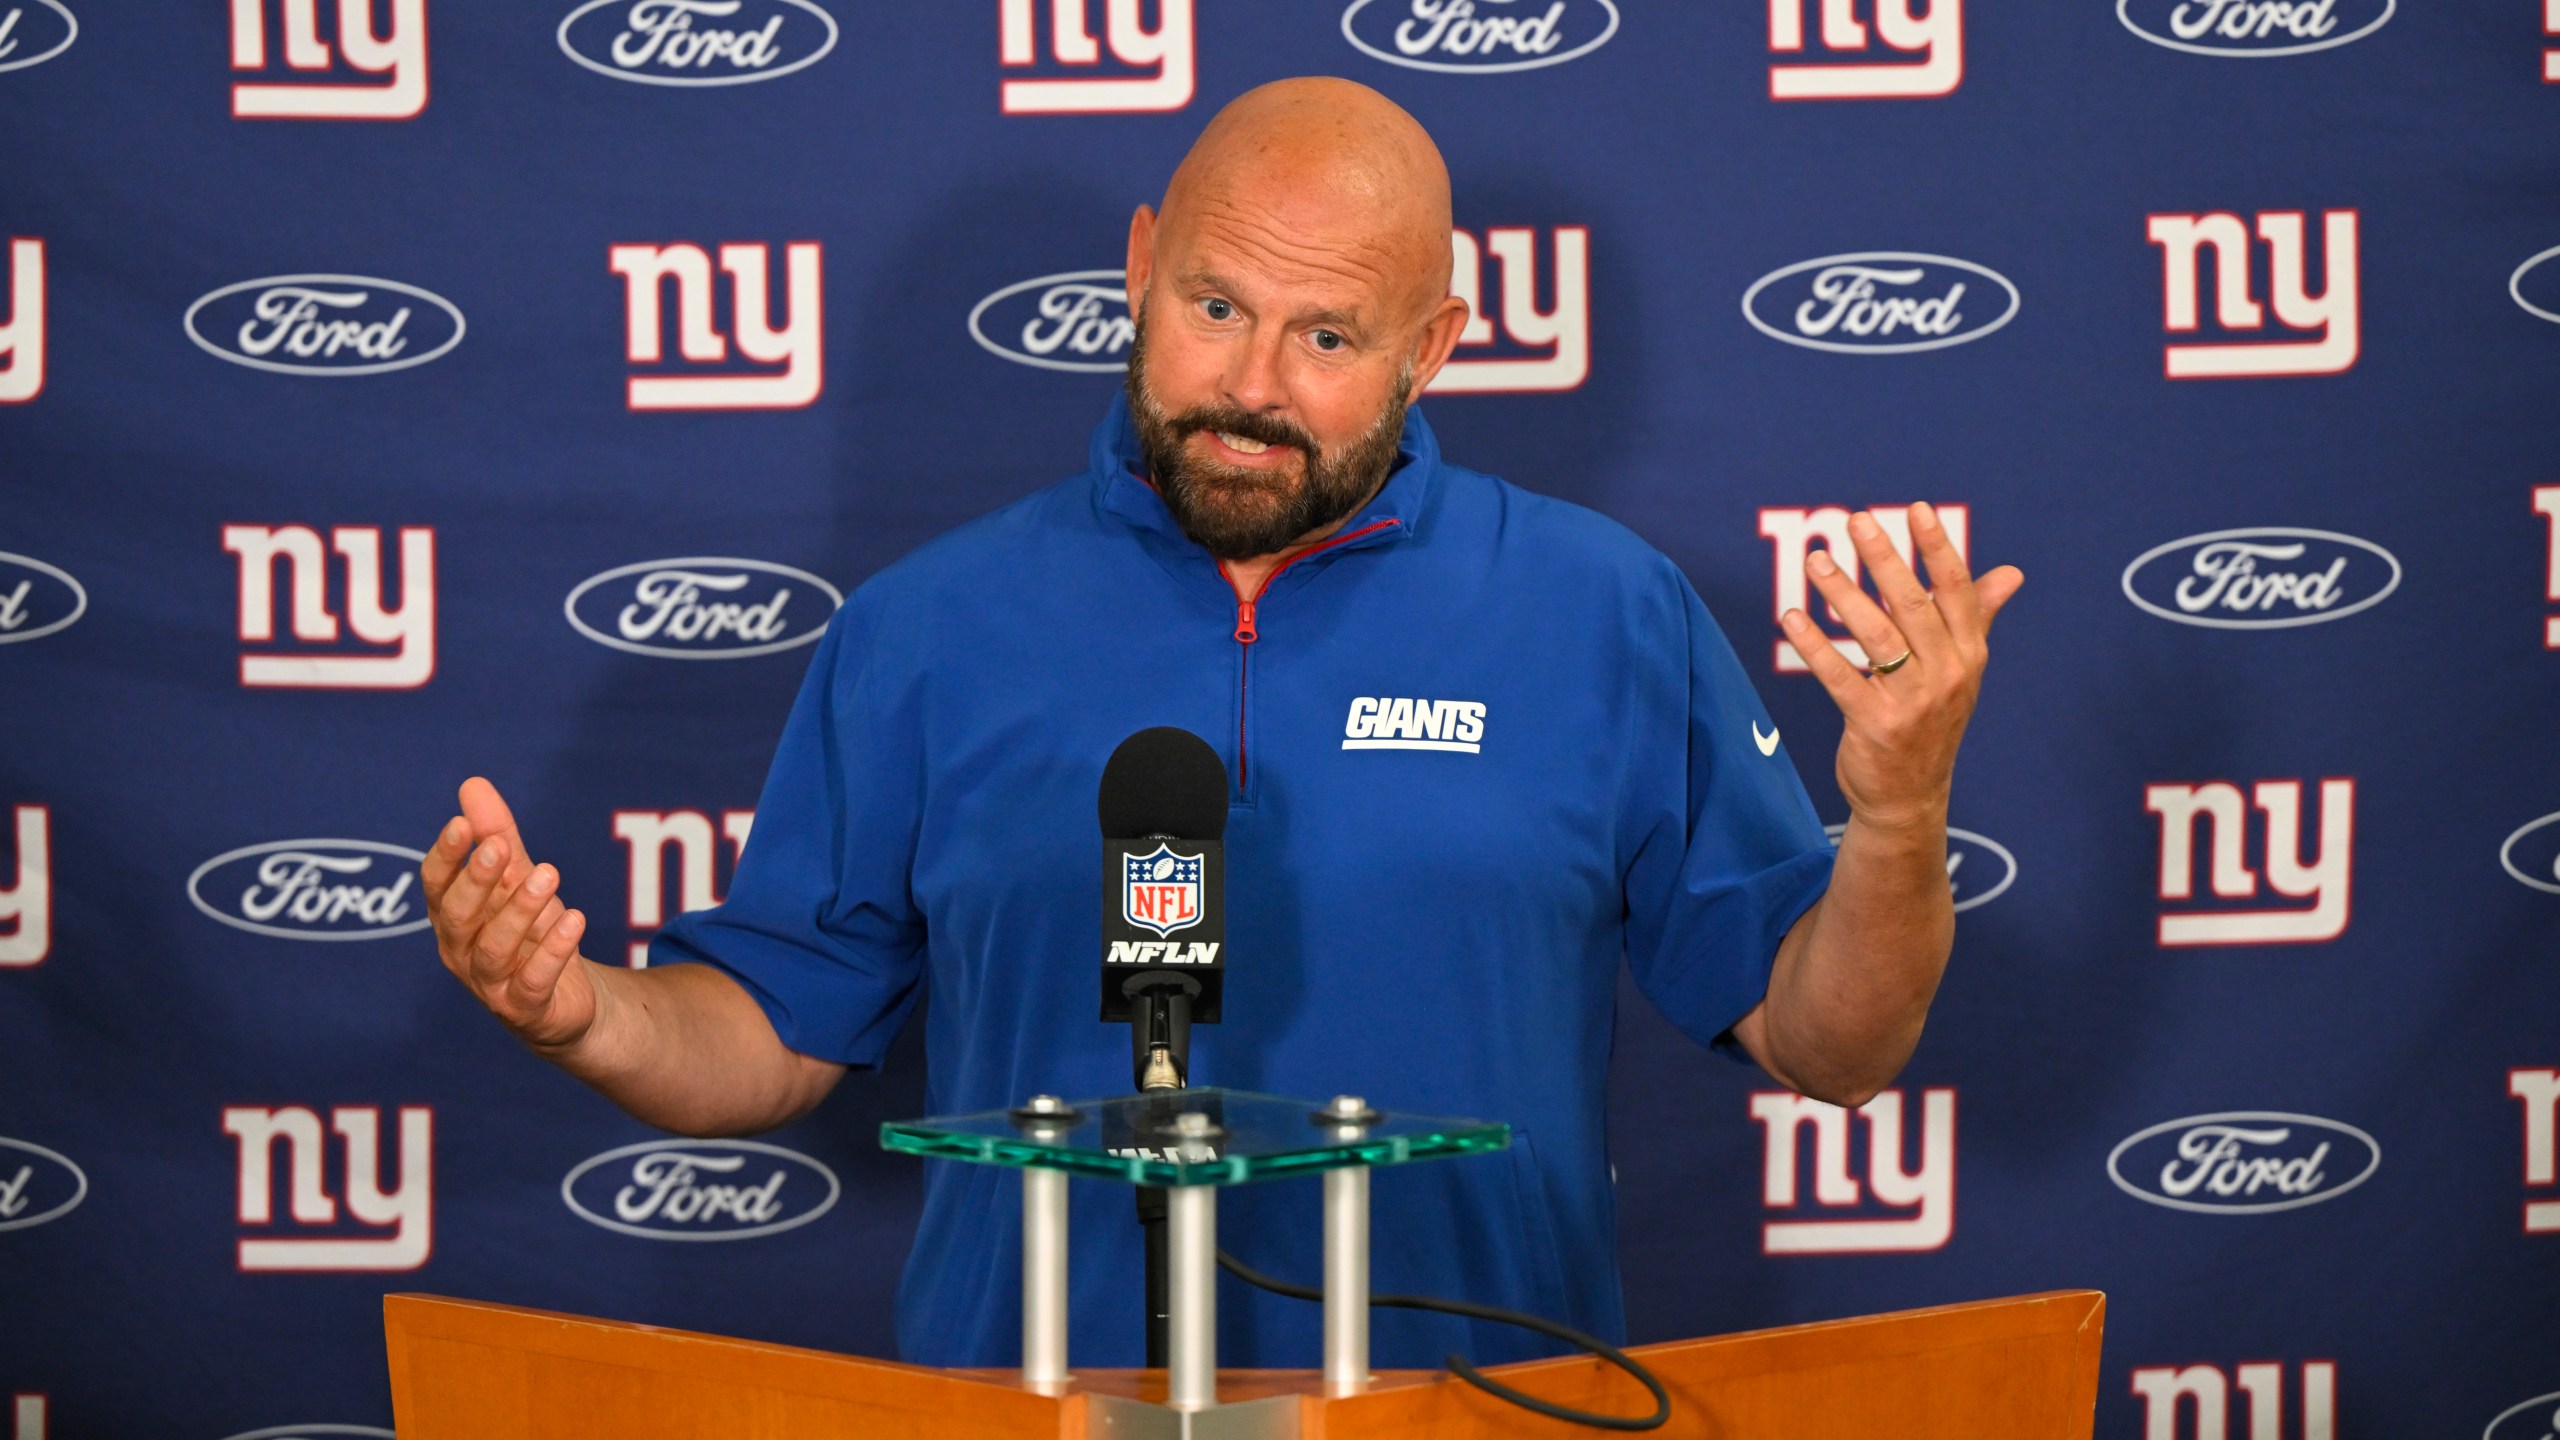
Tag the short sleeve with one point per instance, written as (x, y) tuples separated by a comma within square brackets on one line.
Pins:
[(820, 923), (1731, 853)]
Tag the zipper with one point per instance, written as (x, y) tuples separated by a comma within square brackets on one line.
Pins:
[(1247, 632)]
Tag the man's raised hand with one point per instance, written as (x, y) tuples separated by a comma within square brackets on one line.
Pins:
[(1904, 720), (500, 925)]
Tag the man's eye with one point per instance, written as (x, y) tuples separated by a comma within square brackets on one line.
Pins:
[(1328, 340), (1218, 309)]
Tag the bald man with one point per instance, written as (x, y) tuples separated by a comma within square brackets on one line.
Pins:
[(1485, 747)]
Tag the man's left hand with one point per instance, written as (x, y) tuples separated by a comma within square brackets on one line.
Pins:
[(1904, 721)]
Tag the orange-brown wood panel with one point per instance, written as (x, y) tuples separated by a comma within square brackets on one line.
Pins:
[(2018, 1369)]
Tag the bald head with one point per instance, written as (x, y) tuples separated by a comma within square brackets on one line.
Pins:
[(1331, 158)]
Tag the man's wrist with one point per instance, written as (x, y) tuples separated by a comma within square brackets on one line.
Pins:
[(1918, 827)]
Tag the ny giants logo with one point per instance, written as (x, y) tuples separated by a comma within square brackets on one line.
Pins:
[(2330, 316), (796, 347), (1155, 66), (2203, 1392), (333, 325), (400, 53), (696, 43), (1478, 37), (2253, 29), (408, 631), (1925, 1197), (33, 37), (2323, 879), (649, 834), (26, 903), (37, 1185), (1936, 38), (1537, 349), (1880, 302), (22, 338), (2546, 503), (1792, 533), (700, 1190), (406, 1210), (2539, 1091)]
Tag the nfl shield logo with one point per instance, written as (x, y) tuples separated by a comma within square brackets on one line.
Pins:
[(1160, 890)]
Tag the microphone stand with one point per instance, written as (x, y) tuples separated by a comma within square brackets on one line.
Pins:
[(1160, 1054)]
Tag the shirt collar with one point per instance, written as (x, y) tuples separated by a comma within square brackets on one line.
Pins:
[(1122, 490)]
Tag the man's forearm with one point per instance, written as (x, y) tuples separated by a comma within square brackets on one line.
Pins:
[(685, 1049), (1855, 976)]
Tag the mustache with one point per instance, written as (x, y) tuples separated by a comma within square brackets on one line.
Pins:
[(1267, 429)]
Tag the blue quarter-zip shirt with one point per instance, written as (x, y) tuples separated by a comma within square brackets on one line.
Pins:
[(1436, 929)]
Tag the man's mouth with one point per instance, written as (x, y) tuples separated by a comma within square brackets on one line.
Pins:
[(1240, 444)]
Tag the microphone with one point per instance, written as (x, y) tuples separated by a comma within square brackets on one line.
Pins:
[(1163, 808)]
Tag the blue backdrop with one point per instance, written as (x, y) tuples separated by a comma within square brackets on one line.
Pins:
[(374, 412)]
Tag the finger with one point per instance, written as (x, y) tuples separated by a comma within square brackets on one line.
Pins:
[(1865, 619), (540, 974), (1850, 688), (1950, 579), (493, 951), (459, 915), (540, 927), (487, 811), (1997, 589), (444, 860), (1905, 599)]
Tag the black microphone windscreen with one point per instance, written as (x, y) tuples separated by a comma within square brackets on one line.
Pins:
[(1164, 781)]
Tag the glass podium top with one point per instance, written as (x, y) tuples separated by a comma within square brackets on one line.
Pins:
[(1154, 1139)]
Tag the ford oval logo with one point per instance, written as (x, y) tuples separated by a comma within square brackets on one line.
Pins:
[(1076, 320), (31, 37), (2271, 578), (313, 889), (1479, 37), (297, 1432), (2243, 1162), (1979, 868), (700, 1189), (1880, 302), (2532, 853), (702, 608), (324, 325), (37, 1185), (697, 42), (36, 599), (2536, 286), (2535, 1419), (2240, 29)]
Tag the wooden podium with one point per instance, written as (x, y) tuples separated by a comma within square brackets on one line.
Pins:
[(2018, 1369)]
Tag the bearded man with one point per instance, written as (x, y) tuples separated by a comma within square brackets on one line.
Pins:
[(1266, 548)]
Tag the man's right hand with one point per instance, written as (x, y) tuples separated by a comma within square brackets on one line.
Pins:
[(501, 928)]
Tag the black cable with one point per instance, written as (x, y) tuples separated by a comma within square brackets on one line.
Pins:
[(1459, 1367)]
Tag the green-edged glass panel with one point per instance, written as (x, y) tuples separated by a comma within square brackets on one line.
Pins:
[(1139, 1139)]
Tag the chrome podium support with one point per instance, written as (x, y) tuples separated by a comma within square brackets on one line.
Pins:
[(1191, 1272), (1346, 1261), (1044, 1262)]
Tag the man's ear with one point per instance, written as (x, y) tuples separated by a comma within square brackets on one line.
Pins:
[(1142, 256), (1439, 337)]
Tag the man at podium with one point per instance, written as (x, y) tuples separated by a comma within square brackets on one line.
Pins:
[(1561, 768)]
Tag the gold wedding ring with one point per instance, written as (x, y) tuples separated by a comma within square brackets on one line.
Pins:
[(1896, 663)]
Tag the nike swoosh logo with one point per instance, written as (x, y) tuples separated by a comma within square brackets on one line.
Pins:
[(1768, 743)]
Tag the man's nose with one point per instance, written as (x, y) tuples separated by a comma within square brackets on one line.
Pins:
[(1253, 382)]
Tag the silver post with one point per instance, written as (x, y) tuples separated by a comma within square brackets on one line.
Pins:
[(1191, 1273), (1044, 1263), (1346, 1264)]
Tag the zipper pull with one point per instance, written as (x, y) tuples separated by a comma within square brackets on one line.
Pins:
[(1245, 632)]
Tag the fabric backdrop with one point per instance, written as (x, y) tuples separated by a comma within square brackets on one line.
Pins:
[(374, 412)]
